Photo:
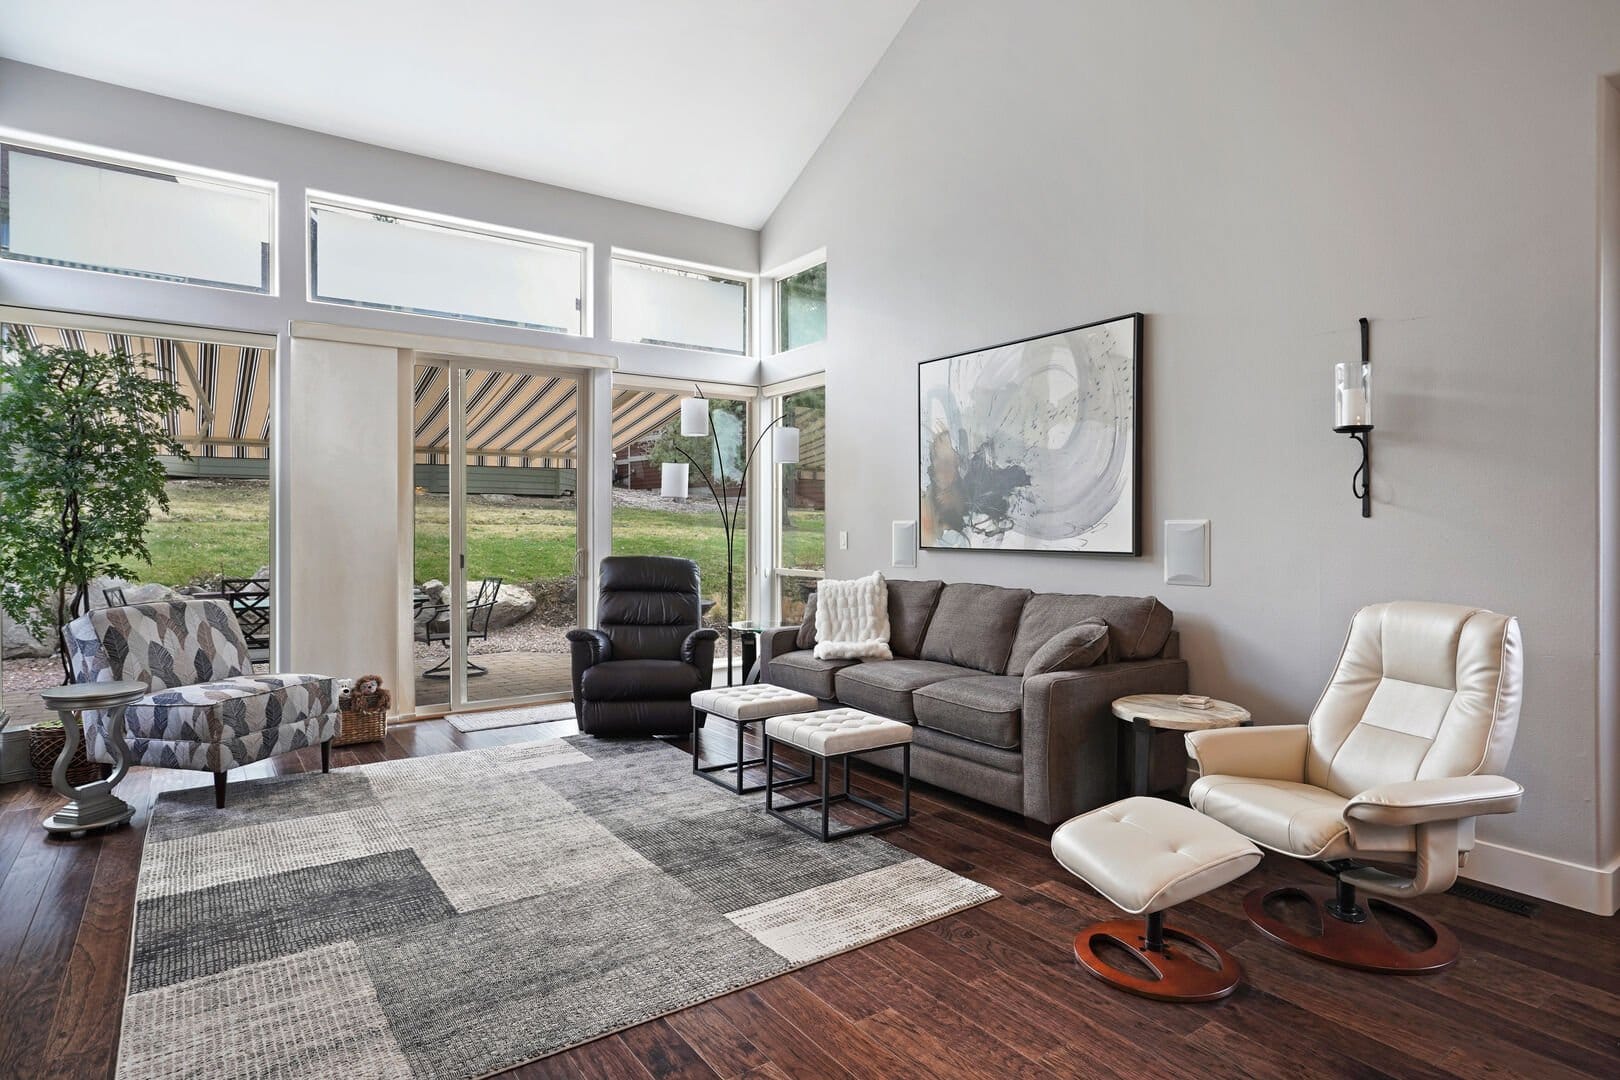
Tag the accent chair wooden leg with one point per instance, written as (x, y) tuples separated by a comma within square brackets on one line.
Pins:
[(326, 756), (219, 791)]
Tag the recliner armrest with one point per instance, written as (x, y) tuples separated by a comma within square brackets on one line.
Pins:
[(1417, 802), (695, 643), (593, 646), (1263, 753)]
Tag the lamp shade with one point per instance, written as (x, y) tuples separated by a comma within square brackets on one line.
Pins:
[(785, 445), (673, 480), (694, 417)]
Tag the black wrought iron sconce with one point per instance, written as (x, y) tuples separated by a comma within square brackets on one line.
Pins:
[(1352, 415)]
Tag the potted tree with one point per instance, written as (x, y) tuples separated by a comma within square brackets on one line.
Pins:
[(82, 437)]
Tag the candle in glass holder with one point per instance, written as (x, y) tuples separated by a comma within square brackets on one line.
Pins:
[(1352, 398)]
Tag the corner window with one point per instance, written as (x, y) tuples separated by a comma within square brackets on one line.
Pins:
[(656, 304), (801, 308), (801, 504), (150, 221), (382, 257)]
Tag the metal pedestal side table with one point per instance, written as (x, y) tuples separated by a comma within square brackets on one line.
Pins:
[(1146, 713), (91, 806)]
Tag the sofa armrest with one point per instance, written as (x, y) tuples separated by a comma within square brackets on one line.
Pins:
[(1262, 753), (698, 650), (1418, 802), (1070, 735), (774, 642)]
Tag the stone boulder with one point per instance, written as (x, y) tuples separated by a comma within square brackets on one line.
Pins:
[(512, 604), (134, 593), (17, 643)]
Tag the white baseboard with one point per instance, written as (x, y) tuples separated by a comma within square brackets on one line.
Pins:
[(1586, 888)]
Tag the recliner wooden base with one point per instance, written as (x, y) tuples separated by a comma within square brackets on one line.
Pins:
[(1364, 945), (1177, 974)]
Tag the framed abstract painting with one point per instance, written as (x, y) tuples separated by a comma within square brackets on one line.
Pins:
[(1035, 445)]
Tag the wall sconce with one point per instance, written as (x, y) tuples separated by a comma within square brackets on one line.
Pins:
[(1352, 416)]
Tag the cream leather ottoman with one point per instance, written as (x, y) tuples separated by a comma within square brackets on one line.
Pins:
[(831, 734), (1146, 856), (744, 705)]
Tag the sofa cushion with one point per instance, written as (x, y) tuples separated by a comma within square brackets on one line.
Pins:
[(973, 626), (807, 628), (803, 672), (1070, 650), (1137, 625), (984, 709), (884, 686), (911, 606), (638, 680)]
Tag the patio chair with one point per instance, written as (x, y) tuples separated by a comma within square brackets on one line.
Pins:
[(250, 603), (435, 629), (114, 596), (207, 710)]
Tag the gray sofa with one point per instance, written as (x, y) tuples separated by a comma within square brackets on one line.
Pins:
[(1039, 744)]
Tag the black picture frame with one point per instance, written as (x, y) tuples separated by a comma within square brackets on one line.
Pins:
[(1132, 505)]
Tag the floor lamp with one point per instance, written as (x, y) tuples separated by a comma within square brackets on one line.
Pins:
[(675, 479)]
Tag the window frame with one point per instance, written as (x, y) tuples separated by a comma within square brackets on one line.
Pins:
[(778, 277), (120, 161), (748, 281), (350, 204), (776, 398)]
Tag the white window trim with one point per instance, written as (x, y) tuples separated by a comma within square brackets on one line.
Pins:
[(25, 140), (749, 282), (771, 328), (586, 249), (771, 610)]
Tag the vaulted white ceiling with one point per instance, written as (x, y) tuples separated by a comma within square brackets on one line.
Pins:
[(705, 107)]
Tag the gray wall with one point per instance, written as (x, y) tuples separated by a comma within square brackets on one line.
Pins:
[(1254, 176)]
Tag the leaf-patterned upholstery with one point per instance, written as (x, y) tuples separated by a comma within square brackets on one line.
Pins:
[(207, 710)]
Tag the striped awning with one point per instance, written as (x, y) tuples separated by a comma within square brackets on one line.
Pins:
[(526, 421), (228, 386)]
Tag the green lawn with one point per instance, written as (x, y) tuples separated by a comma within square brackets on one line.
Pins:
[(214, 528)]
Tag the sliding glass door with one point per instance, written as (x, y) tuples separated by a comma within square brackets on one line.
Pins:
[(498, 481)]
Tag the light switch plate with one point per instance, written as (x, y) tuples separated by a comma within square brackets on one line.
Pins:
[(1186, 552), (843, 540)]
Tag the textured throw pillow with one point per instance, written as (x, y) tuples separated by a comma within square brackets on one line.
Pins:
[(852, 619), (1070, 650), (807, 628)]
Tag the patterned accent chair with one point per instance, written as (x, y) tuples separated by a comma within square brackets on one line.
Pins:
[(207, 710)]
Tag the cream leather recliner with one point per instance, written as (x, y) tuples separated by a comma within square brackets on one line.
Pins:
[(1400, 755)]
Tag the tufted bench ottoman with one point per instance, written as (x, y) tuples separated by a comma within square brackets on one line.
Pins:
[(744, 705), (831, 734), (1145, 856)]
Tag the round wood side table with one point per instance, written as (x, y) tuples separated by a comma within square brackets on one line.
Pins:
[(1147, 713), (91, 806)]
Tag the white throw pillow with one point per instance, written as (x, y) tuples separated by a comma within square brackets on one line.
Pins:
[(852, 619)]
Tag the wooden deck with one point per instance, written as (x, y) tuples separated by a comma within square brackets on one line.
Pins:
[(991, 992)]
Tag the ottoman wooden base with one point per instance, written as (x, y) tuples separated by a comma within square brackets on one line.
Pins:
[(1177, 973)]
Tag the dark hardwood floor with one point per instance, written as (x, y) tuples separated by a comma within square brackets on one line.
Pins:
[(992, 992)]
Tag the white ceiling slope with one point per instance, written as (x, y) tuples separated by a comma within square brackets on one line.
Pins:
[(704, 107)]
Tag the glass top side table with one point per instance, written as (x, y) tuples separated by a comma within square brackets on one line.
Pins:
[(750, 631), (91, 806)]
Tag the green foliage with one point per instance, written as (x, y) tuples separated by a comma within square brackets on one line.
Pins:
[(81, 436), (728, 418)]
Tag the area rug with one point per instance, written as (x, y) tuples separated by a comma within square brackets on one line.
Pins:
[(491, 719), (457, 915)]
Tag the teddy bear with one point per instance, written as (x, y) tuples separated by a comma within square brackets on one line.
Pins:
[(368, 694)]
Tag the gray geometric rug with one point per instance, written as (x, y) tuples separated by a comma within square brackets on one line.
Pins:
[(457, 915), (490, 719)]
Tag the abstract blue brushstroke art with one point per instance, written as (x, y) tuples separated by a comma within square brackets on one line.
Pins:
[(1033, 445)]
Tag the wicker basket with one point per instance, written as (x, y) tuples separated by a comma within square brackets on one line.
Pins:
[(361, 726), (45, 742)]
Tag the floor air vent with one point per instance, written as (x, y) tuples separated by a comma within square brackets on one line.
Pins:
[(1491, 898)]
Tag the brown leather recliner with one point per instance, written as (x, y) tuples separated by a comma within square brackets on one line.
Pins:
[(635, 674)]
